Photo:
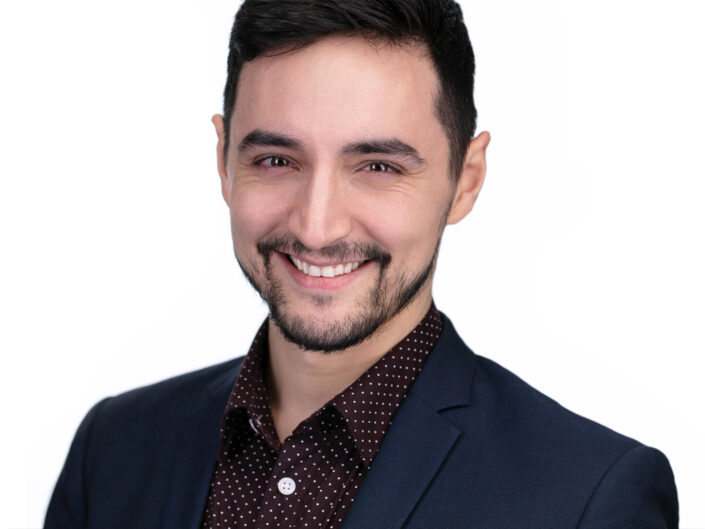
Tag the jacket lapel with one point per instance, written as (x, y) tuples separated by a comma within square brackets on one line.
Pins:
[(193, 452), (419, 439)]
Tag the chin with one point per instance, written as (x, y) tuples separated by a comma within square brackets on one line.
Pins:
[(312, 334)]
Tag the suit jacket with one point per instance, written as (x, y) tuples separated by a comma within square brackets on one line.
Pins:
[(472, 446)]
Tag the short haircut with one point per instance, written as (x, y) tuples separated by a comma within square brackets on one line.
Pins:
[(274, 26)]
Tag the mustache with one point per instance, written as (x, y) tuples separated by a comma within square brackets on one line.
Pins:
[(342, 251)]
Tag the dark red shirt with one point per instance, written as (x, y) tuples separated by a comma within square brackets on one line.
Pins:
[(311, 479)]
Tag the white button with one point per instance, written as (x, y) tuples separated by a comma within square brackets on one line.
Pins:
[(252, 424), (286, 486)]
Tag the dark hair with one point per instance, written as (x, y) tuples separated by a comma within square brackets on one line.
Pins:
[(264, 26)]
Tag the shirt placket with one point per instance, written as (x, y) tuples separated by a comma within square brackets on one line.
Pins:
[(291, 478)]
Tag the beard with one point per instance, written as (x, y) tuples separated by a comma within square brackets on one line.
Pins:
[(378, 305)]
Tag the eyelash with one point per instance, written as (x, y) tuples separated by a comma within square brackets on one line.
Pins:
[(385, 167)]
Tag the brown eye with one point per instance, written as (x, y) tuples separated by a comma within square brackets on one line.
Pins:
[(380, 167), (275, 161)]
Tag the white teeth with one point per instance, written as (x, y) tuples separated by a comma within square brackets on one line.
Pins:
[(324, 271)]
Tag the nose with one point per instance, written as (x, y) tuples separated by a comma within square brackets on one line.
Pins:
[(320, 214)]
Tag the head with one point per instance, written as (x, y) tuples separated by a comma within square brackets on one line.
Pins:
[(344, 150)]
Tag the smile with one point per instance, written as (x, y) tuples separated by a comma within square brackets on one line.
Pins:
[(323, 271)]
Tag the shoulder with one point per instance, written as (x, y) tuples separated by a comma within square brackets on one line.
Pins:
[(530, 414), (175, 395), (149, 411), (516, 443), (125, 447), (524, 415), (614, 479)]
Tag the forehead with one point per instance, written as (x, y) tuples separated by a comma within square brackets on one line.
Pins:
[(340, 89)]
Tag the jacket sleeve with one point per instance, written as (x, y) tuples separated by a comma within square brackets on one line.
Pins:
[(67, 507), (637, 492)]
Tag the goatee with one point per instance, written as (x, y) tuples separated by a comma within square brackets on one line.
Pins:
[(380, 304)]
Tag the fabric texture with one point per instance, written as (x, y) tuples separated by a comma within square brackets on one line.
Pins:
[(311, 479), (472, 446)]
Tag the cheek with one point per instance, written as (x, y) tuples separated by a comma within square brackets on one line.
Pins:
[(255, 212), (405, 225)]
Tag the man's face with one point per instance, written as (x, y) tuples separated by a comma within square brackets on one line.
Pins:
[(338, 187)]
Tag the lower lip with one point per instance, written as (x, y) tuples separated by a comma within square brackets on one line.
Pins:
[(320, 283)]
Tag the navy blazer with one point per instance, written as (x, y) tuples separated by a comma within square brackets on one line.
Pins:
[(472, 446)]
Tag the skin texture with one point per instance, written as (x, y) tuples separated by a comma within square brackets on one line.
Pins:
[(323, 197)]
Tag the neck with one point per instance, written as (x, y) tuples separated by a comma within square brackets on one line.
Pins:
[(300, 382)]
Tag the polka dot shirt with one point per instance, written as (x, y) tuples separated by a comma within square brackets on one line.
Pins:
[(311, 479)]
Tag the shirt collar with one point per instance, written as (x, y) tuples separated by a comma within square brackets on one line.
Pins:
[(249, 400)]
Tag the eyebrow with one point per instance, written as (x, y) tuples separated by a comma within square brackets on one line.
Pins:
[(264, 138), (391, 146)]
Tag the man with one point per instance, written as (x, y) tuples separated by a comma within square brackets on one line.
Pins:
[(345, 148)]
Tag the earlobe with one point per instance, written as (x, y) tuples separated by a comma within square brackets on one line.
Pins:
[(219, 124), (471, 178)]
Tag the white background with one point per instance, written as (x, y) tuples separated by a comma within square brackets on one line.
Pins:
[(581, 268)]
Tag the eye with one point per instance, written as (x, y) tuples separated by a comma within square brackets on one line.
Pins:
[(380, 167), (273, 161)]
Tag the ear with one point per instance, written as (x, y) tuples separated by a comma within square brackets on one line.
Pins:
[(219, 124), (471, 178)]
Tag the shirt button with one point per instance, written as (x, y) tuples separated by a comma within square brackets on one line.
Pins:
[(252, 425), (286, 486)]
